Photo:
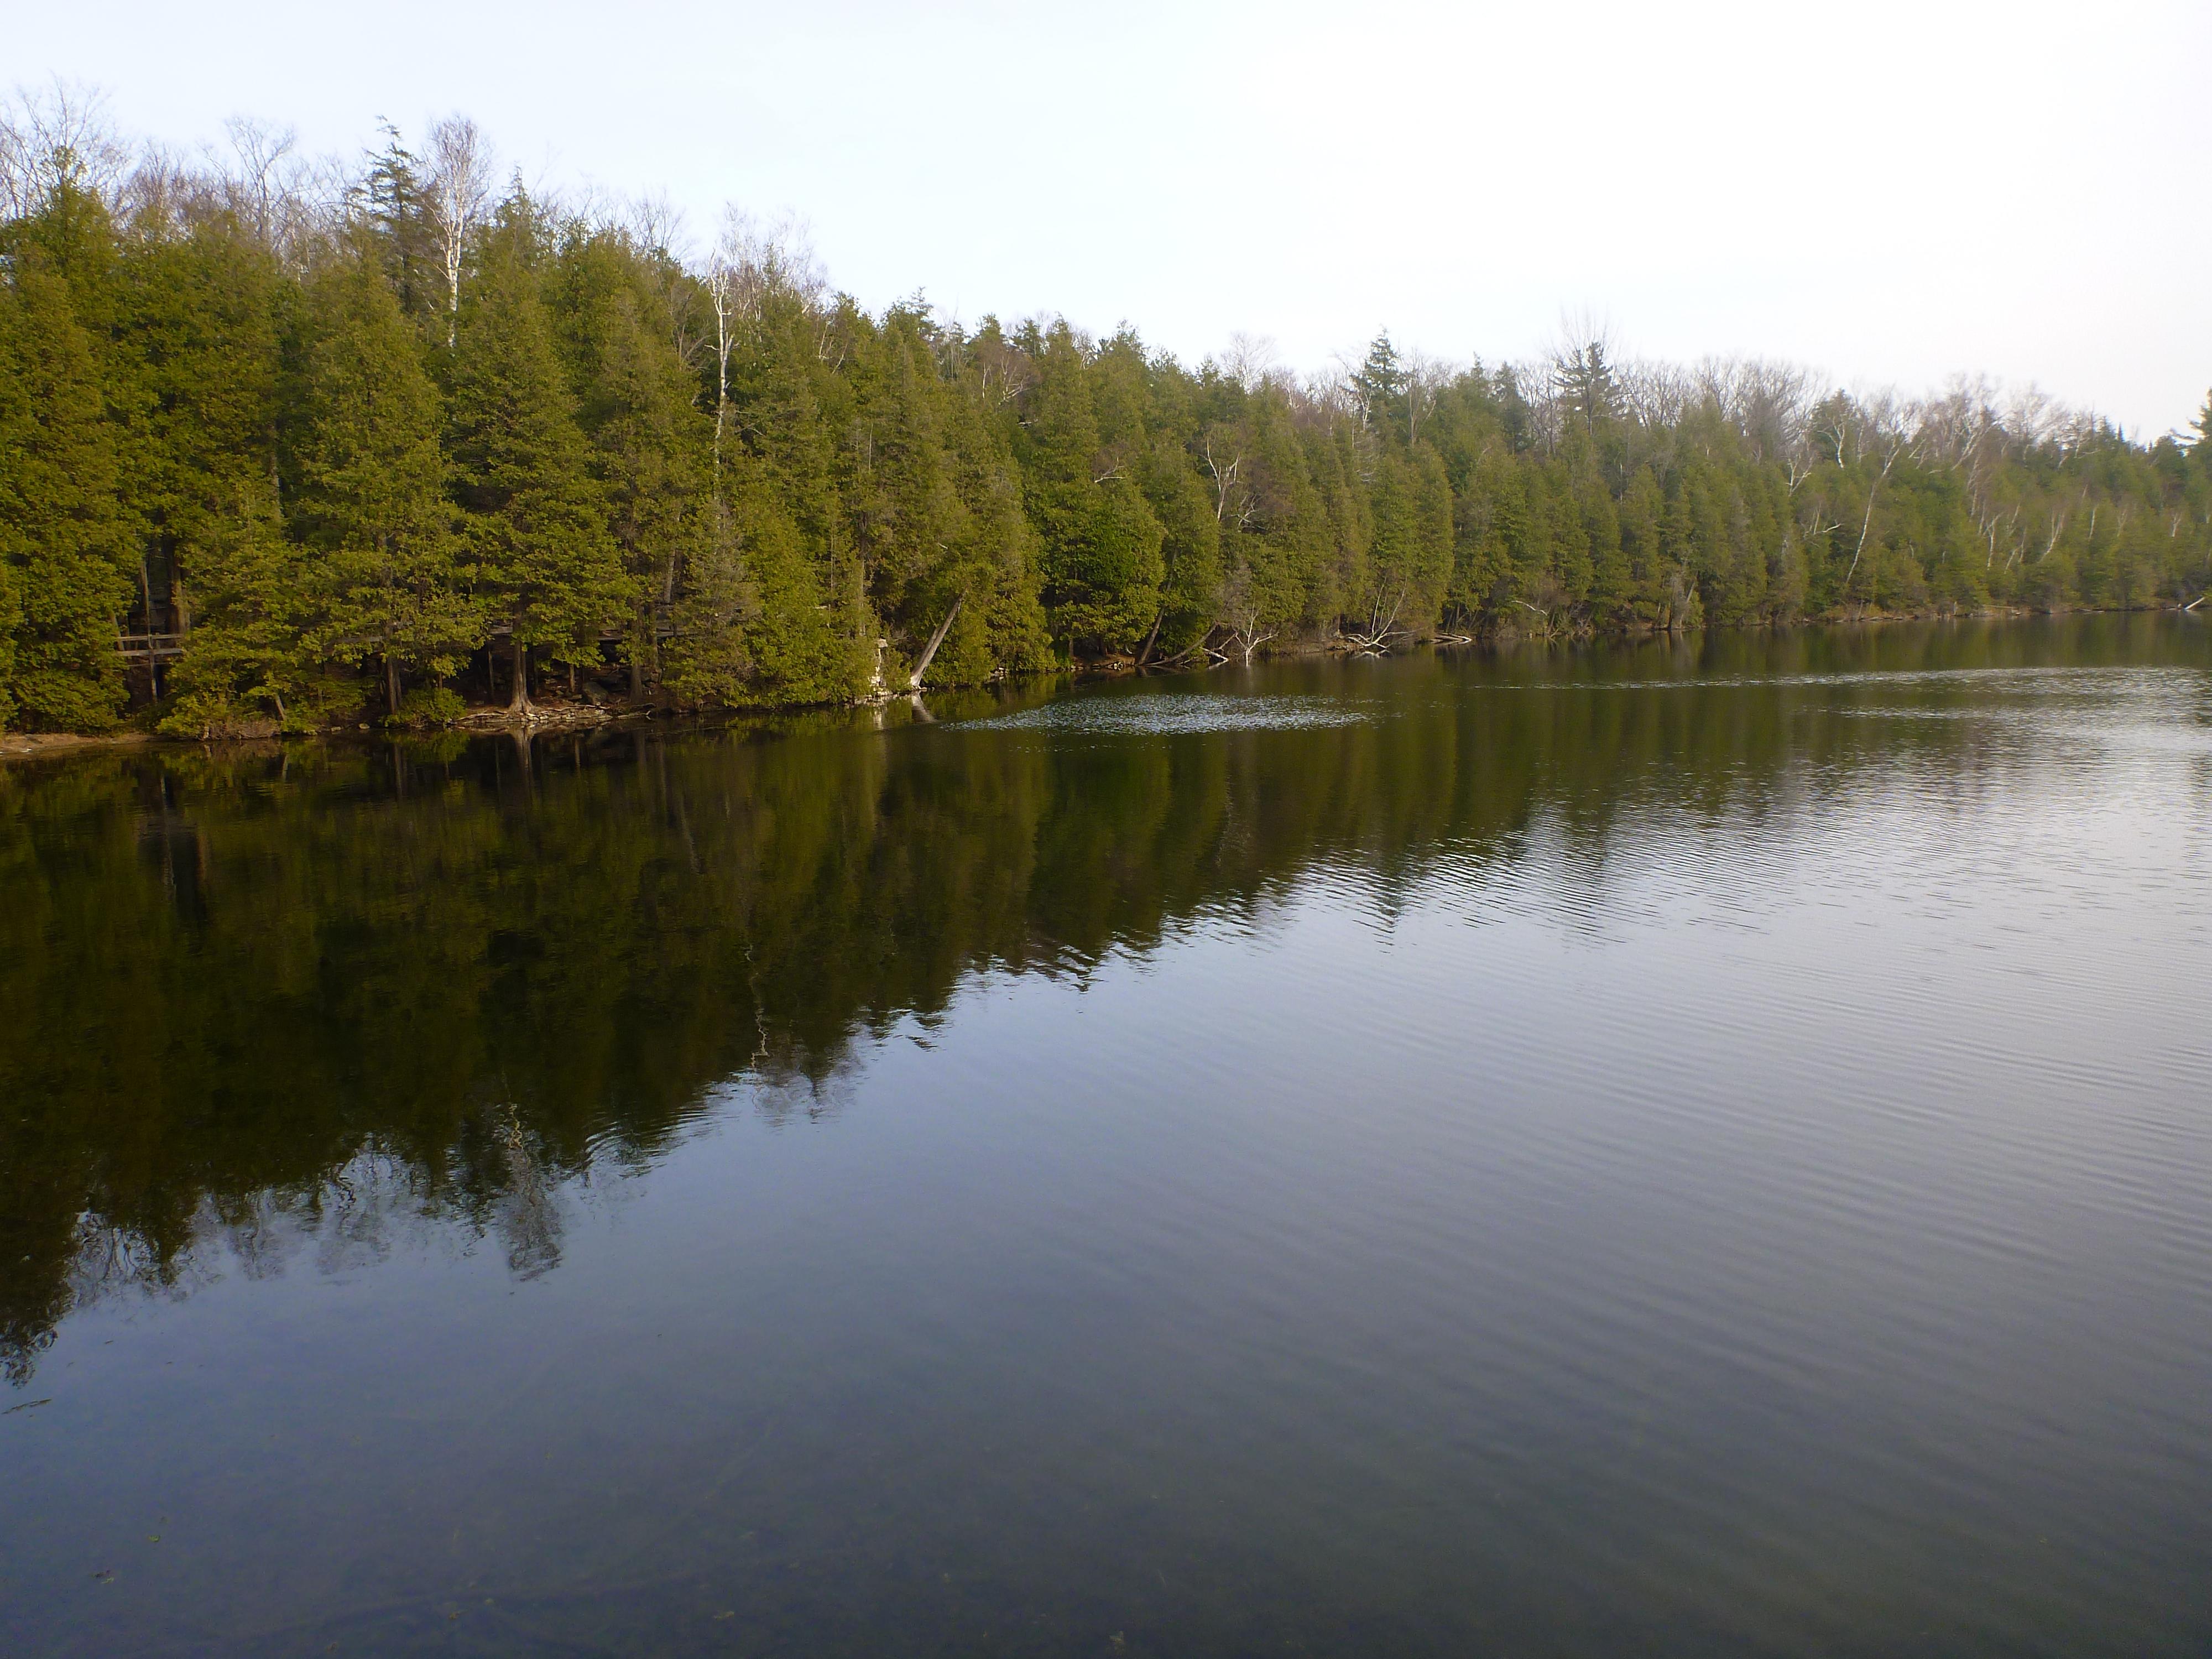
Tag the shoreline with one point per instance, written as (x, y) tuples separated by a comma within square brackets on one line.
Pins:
[(33, 746), (559, 716)]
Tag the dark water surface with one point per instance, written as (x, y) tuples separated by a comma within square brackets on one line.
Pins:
[(1673, 1150)]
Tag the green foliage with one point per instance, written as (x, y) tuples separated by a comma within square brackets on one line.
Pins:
[(61, 530), (638, 405), (543, 559), (250, 658), (369, 506), (362, 458), (1100, 564), (425, 709)]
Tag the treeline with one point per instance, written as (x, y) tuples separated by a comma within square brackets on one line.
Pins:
[(323, 445)]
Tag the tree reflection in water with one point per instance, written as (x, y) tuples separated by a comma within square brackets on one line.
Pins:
[(269, 1004)]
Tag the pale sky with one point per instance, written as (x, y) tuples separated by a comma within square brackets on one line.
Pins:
[(1889, 192)]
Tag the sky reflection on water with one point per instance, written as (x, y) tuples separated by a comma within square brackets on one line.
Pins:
[(1649, 1151)]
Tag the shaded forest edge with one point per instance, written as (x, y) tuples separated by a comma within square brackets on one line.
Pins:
[(289, 447)]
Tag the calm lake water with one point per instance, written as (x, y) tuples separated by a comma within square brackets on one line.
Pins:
[(1677, 1149)]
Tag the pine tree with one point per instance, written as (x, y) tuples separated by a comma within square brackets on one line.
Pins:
[(637, 404), (545, 569), (911, 528), (201, 331), (1642, 505), (61, 532), (1381, 385), (371, 496), (395, 205), (251, 654), (1102, 564), (1586, 380)]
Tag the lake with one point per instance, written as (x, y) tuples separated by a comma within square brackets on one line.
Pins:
[(1675, 1148)]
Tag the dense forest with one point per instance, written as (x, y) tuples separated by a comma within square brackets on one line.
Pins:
[(284, 445)]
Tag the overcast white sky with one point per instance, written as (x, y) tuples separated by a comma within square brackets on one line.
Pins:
[(1890, 192)]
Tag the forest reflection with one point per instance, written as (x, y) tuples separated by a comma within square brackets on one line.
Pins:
[(276, 1003)]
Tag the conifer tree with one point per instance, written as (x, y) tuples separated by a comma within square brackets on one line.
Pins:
[(202, 314), (772, 494), (252, 652), (1381, 385), (544, 568), (638, 408), (395, 202), (61, 533), (1190, 547), (911, 527), (371, 499), (1000, 626), (1641, 508), (200, 335), (1102, 564)]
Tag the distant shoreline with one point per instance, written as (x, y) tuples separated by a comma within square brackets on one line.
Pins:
[(552, 715)]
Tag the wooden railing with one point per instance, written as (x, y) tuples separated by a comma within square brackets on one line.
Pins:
[(150, 648)]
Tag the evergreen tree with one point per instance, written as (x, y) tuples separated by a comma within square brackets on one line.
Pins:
[(396, 210), (370, 500), (1586, 381), (1000, 626), (1612, 585), (253, 654), (62, 538), (544, 568), (203, 314), (765, 493), (1381, 385), (1102, 564), (638, 408)]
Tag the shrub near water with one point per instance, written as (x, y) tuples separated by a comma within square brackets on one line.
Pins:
[(428, 707)]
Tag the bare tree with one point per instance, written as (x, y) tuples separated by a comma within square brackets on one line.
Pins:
[(1243, 611), (62, 136), (749, 263), (460, 196), (1770, 404), (1888, 428), (1252, 360), (1425, 377), (722, 270), (1655, 395), (1233, 504), (256, 189)]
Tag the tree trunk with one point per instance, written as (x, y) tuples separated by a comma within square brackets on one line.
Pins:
[(1158, 617), (392, 685), (913, 680), (521, 703)]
